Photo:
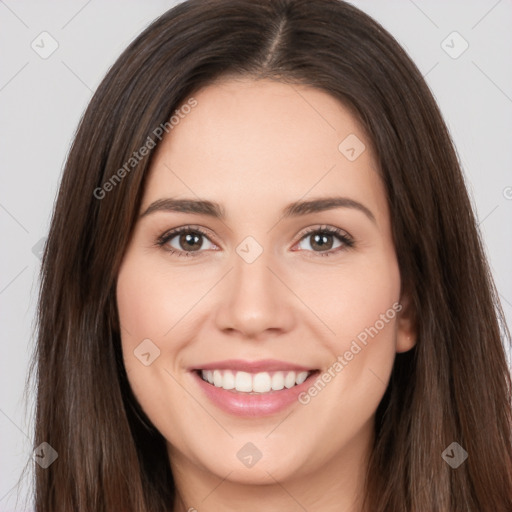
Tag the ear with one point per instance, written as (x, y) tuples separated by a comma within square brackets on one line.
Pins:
[(406, 331)]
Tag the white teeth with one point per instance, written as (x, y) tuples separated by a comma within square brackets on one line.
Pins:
[(228, 381), (277, 381), (217, 378), (243, 381), (261, 382), (289, 380), (301, 377)]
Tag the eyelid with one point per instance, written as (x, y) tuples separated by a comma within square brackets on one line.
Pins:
[(164, 238), (346, 239), (186, 227), (323, 228)]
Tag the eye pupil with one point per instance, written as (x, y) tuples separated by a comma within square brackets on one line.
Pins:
[(322, 241), (190, 241)]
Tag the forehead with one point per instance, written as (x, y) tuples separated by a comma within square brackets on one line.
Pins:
[(249, 142)]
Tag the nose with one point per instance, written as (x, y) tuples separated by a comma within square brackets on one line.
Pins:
[(254, 301)]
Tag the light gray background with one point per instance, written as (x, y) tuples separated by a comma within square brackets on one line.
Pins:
[(41, 101)]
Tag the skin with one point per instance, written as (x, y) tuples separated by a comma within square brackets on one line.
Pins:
[(254, 147)]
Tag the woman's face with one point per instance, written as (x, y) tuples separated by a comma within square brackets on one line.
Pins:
[(291, 273)]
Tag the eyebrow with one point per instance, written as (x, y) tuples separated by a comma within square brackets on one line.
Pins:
[(296, 209)]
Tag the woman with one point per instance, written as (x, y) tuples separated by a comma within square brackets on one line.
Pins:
[(263, 286)]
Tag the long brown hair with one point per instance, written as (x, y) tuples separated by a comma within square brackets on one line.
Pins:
[(454, 386)]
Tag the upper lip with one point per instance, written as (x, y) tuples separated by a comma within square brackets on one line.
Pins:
[(262, 365)]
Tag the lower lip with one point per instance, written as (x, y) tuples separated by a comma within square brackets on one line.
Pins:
[(247, 404)]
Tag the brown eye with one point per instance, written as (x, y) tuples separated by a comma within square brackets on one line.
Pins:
[(321, 241), (325, 241), (185, 241), (190, 242)]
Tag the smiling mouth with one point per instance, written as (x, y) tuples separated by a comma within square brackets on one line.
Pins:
[(254, 383)]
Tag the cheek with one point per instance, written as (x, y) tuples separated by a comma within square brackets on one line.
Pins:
[(361, 307), (151, 299), (351, 298), (144, 305), (142, 299)]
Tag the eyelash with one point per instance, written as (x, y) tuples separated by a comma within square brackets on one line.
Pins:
[(344, 238)]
